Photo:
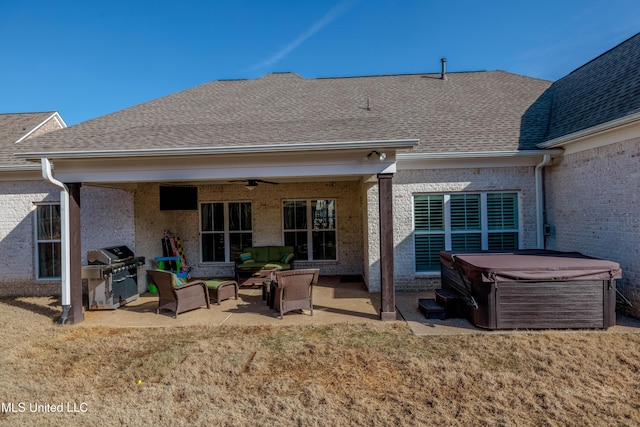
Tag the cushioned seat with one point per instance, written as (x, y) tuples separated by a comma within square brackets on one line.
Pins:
[(175, 295), (222, 289), (264, 258)]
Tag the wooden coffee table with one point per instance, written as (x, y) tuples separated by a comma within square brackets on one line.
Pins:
[(263, 279), (258, 278)]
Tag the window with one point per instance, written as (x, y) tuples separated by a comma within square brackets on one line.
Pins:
[(474, 221), (225, 230), (48, 241), (313, 239)]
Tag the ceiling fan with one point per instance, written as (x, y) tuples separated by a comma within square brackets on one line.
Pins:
[(253, 183)]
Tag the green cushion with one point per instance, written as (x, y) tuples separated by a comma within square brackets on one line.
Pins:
[(278, 265), (215, 283), (277, 252), (250, 265), (260, 253)]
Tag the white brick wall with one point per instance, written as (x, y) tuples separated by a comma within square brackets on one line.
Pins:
[(409, 182), (17, 234), (593, 206), (101, 227)]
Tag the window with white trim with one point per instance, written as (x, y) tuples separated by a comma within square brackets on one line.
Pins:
[(225, 230), (315, 239), (48, 235), (463, 221)]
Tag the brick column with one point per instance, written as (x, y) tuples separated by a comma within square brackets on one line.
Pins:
[(387, 288)]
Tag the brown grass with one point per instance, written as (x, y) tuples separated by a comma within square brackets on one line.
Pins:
[(369, 375)]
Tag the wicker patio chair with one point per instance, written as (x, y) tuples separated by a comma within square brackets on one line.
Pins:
[(294, 290), (178, 298)]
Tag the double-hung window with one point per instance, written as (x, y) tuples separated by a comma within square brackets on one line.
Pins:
[(48, 234), (310, 227), (463, 221), (225, 230)]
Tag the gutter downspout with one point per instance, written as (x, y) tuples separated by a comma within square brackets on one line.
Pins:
[(64, 243), (540, 200)]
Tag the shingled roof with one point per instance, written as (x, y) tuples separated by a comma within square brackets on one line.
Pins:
[(474, 111), (604, 89), (15, 128)]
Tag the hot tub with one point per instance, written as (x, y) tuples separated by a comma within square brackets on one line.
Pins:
[(533, 289)]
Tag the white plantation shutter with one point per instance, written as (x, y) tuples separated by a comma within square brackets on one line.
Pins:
[(465, 212), (463, 221), (429, 213), (429, 223), (502, 221), (502, 211), (465, 216)]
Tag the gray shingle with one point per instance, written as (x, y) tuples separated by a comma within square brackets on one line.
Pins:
[(604, 89), (476, 111), (14, 126)]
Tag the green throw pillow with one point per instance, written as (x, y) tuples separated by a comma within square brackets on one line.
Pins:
[(286, 258), (246, 256)]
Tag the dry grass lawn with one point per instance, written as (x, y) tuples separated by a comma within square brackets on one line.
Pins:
[(368, 375)]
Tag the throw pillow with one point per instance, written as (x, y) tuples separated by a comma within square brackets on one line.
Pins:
[(286, 258), (177, 281), (246, 256)]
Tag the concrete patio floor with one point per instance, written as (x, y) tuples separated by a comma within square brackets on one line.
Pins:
[(334, 302)]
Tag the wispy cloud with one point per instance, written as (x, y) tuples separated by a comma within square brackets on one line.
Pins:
[(334, 13)]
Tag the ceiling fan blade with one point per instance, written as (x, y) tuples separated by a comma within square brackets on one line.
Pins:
[(267, 182)]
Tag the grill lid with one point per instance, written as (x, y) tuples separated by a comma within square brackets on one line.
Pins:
[(108, 256)]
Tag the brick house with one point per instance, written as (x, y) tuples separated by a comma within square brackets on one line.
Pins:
[(391, 169)]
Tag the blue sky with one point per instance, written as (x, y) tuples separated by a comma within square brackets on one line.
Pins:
[(87, 58)]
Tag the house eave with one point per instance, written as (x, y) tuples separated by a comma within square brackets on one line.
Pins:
[(477, 154), (21, 168), (473, 159), (561, 141), (398, 144)]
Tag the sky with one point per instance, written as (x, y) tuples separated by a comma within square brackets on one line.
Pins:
[(88, 58)]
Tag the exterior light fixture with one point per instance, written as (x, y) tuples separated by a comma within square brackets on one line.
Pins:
[(381, 156), (251, 184)]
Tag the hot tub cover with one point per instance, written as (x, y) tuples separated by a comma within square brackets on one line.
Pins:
[(540, 265)]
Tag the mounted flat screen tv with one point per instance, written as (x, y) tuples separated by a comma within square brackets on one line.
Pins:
[(178, 198)]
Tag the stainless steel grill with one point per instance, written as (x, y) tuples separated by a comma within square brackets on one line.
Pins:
[(112, 277)]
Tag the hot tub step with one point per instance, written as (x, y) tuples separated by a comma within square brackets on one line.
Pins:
[(431, 309), (454, 305)]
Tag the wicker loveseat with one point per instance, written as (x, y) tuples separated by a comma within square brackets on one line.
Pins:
[(257, 258)]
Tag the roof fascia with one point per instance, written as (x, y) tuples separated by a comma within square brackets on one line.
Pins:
[(399, 144), (592, 131), (476, 154)]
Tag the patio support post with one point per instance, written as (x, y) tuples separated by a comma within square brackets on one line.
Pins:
[(387, 289), (75, 258)]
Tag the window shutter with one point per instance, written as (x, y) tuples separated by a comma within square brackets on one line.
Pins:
[(502, 211), (465, 212), (429, 213), (428, 247)]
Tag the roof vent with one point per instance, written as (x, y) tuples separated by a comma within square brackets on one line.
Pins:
[(443, 75)]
